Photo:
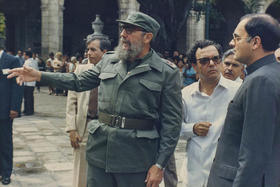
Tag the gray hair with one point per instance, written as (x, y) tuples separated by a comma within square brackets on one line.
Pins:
[(105, 43), (227, 53)]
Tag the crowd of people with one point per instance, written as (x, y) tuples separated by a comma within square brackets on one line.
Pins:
[(127, 108)]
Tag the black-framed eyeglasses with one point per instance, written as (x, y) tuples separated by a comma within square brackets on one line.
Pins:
[(206, 60), (129, 29)]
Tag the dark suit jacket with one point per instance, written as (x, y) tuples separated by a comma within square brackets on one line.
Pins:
[(10, 92), (248, 152)]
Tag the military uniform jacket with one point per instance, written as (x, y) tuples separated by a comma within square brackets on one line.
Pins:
[(248, 153), (151, 90)]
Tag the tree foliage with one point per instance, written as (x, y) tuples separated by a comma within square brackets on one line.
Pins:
[(2, 26), (171, 15)]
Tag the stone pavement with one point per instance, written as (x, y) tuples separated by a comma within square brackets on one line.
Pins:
[(42, 151)]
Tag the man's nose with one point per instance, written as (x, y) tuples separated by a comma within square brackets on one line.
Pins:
[(123, 33), (230, 67), (211, 63), (231, 43)]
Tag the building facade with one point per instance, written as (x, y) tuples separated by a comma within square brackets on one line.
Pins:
[(62, 25)]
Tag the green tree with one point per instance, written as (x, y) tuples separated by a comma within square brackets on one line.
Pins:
[(252, 6), (2, 26)]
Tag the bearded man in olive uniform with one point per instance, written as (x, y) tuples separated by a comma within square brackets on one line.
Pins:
[(139, 105)]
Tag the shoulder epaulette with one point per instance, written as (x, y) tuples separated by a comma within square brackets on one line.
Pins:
[(171, 64)]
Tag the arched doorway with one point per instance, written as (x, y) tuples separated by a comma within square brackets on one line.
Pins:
[(23, 26), (78, 16)]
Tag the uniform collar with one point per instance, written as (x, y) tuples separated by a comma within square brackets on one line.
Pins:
[(259, 63), (152, 60)]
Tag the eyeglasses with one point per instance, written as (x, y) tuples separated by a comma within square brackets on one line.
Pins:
[(237, 38), (206, 60), (130, 29)]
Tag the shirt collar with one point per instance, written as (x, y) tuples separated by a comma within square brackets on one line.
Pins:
[(1, 53), (222, 82), (259, 63)]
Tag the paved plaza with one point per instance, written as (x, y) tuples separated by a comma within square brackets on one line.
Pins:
[(42, 151)]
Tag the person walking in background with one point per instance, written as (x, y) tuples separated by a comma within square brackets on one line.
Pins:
[(29, 86), (49, 68), (58, 66)]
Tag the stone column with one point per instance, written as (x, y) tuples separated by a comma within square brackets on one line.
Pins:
[(127, 6), (195, 27), (264, 5), (52, 26)]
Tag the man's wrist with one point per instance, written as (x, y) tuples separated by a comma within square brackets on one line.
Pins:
[(39, 76), (159, 166)]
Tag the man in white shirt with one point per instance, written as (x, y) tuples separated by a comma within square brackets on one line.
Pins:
[(232, 69), (277, 54), (205, 106), (29, 86)]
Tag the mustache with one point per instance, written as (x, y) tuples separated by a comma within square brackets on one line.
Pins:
[(228, 72), (125, 41)]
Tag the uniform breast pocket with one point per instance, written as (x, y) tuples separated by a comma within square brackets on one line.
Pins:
[(148, 93), (107, 86)]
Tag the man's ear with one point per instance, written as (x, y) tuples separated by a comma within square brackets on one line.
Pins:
[(257, 42), (148, 37)]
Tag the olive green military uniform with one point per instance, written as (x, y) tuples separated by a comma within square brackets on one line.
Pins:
[(146, 92)]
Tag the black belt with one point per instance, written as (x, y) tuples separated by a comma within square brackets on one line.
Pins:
[(125, 123), (92, 118)]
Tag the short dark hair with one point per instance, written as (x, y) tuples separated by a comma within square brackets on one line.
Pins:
[(264, 26), (202, 44), (228, 53), (105, 43), (51, 54), (28, 53)]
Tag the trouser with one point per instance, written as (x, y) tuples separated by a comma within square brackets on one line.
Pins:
[(6, 147), (97, 177), (80, 164), (170, 174), (28, 99)]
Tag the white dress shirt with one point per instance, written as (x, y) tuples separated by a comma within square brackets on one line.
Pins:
[(199, 107), (33, 64), (1, 52)]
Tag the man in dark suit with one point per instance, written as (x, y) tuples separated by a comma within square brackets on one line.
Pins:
[(10, 99), (248, 153)]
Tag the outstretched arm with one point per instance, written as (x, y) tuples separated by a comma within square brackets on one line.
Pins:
[(24, 74)]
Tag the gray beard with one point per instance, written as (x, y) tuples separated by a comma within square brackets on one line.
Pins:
[(130, 54)]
